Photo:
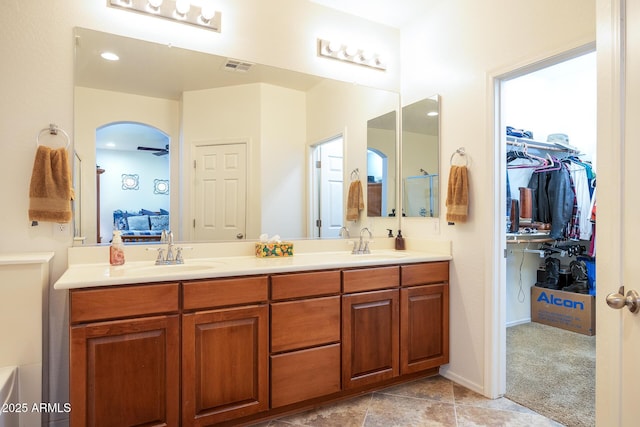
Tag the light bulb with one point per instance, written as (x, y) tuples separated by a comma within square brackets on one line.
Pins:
[(182, 7), (333, 47), (350, 51), (208, 11), (366, 55), (155, 4)]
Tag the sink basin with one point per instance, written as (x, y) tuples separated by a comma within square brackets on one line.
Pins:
[(173, 268), (381, 255)]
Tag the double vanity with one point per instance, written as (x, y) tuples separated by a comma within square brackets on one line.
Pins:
[(228, 338)]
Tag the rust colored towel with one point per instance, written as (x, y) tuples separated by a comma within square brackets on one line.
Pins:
[(50, 192), (457, 194), (355, 201)]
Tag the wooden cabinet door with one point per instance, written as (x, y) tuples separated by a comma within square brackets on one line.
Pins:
[(369, 337), (224, 364), (126, 373), (424, 334)]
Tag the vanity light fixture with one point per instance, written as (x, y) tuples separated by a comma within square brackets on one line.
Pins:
[(200, 13), (352, 54)]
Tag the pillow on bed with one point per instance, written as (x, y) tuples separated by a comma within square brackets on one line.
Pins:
[(139, 222), (159, 222)]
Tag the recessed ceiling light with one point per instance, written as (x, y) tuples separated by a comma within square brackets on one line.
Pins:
[(109, 56)]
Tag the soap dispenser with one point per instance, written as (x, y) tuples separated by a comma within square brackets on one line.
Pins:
[(116, 251), (399, 241)]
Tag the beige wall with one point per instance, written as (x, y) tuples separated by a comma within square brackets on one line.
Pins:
[(272, 122), (453, 51), (95, 108)]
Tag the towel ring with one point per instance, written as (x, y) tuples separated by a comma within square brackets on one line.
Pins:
[(53, 130), (460, 151)]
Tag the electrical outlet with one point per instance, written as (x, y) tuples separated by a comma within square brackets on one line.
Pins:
[(60, 229)]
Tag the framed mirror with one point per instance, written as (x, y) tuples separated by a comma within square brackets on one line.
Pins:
[(421, 158), (257, 120), (381, 165)]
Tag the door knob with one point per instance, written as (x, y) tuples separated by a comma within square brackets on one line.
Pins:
[(239, 236), (619, 300)]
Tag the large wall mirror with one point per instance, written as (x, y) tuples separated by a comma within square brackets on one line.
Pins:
[(381, 165), (421, 158), (215, 126)]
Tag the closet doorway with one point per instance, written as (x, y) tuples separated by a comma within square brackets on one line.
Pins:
[(546, 119)]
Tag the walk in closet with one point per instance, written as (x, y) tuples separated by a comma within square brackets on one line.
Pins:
[(549, 128), (550, 180)]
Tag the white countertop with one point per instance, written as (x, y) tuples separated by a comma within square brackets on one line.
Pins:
[(83, 273), (14, 258)]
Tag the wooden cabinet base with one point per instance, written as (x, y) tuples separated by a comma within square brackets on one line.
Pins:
[(304, 374), (126, 367)]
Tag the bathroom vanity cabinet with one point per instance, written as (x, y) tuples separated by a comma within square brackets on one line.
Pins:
[(125, 356), (239, 349)]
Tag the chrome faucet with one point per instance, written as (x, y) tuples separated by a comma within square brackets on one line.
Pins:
[(170, 258), (344, 232), (362, 246)]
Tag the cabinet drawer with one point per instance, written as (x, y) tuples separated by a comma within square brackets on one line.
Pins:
[(420, 274), (299, 285), (305, 374), (304, 323), (368, 279), (112, 303), (224, 292)]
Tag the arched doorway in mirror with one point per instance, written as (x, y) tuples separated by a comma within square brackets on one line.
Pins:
[(377, 171), (327, 213), (134, 187)]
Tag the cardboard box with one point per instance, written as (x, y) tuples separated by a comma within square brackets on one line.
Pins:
[(566, 310)]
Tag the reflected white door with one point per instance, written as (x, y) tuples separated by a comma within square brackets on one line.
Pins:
[(220, 192), (330, 177), (618, 210)]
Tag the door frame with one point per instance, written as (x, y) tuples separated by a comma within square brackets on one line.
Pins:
[(495, 297)]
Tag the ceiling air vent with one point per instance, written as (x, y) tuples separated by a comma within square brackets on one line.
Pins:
[(235, 65)]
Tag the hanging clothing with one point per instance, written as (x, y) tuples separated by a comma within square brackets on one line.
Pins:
[(580, 178), (552, 199)]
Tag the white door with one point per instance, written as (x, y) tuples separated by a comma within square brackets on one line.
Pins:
[(618, 210), (331, 188), (327, 181), (220, 192)]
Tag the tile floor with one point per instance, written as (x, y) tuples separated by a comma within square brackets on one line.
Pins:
[(433, 401)]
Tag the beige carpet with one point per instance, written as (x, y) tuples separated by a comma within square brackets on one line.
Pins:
[(552, 371)]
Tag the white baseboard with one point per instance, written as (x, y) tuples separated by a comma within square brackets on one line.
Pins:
[(518, 322), (450, 375)]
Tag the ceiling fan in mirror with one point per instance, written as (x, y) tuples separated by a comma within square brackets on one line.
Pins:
[(156, 151)]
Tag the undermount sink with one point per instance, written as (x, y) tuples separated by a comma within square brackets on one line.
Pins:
[(381, 255), (174, 268)]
